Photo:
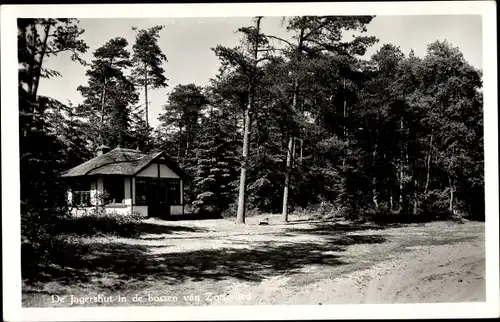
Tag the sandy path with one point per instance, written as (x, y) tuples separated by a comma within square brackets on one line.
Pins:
[(444, 273), (434, 262)]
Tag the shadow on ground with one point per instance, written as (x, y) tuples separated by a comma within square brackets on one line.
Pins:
[(200, 216), (123, 263), (331, 228), (150, 228)]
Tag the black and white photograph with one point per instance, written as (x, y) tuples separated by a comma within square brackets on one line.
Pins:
[(278, 158)]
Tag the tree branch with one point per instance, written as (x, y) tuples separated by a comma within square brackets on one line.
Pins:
[(262, 59), (265, 50), (280, 39), (325, 22)]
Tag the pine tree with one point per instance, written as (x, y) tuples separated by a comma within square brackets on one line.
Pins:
[(39, 39), (41, 152), (214, 162), (148, 59), (245, 63), (69, 129), (179, 121), (109, 96), (449, 93), (313, 36)]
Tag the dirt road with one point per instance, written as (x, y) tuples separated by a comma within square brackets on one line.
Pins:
[(430, 274), (446, 273), (215, 262), (413, 274)]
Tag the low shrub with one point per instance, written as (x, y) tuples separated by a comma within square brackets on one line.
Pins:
[(101, 223), (324, 210), (189, 209), (48, 251), (64, 238), (232, 211), (301, 212)]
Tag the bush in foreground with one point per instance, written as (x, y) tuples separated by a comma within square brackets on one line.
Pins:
[(100, 223), (64, 237)]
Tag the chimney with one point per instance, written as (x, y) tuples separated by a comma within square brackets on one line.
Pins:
[(102, 150)]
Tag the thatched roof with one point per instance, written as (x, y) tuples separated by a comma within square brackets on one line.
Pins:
[(119, 161)]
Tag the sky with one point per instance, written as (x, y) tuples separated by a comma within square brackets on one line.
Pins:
[(187, 43)]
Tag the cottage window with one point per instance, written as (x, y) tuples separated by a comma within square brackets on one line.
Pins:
[(141, 188), (80, 193), (174, 192), (114, 189)]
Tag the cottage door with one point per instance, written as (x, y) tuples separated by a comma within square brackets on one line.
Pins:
[(162, 207), (157, 198), (152, 198)]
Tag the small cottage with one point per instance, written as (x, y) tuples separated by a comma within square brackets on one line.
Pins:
[(126, 181)]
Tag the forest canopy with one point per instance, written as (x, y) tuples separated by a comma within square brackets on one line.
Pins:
[(310, 124)]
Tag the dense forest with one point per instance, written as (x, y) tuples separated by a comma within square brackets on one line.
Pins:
[(304, 123)]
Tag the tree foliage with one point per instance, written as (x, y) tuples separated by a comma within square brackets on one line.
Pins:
[(42, 154), (391, 135), (148, 59), (109, 96)]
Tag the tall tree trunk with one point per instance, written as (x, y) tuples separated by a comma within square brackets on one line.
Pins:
[(414, 171), (428, 167), (287, 178), (33, 62), (451, 209), (30, 112), (374, 180), (401, 175), (146, 102), (284, 212), (391, 202), (103, 99), (300, 139), (23, 34), (240, 216), (40, 61), (401, 186), (179, 148), (415, 192), (301, 150), (344, 112), (187, 148)]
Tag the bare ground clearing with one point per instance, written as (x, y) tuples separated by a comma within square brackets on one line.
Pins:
[(304, 262)]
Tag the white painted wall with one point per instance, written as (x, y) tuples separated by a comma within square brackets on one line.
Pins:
[(182, 192), (128, 197), (124, 211), (143, 210), (93, 192), (133, 190), (98, 191), (78, 212), (176, 210), (152, 171), (100, 185), (166, 172), (97, 187)]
